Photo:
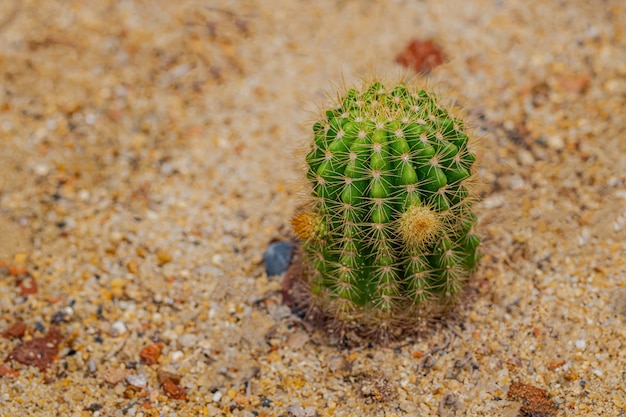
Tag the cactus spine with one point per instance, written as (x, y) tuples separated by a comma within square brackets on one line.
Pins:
[(387, 232)]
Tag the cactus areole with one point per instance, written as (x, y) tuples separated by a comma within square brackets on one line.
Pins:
[(387, 230)]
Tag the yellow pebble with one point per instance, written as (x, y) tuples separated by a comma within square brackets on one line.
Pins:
[(163, 257), (20, 258)]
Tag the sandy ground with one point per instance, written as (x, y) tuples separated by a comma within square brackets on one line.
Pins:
[(147, 162)]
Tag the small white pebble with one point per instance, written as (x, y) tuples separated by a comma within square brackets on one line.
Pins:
[(138, 381), (555, 142), (116, 237), (525, 157), (92, 366), (597, 372), (70, 223), (83, 195), (177, 356), (580, 344), (516, 182), (584, 236), (118, 328), (187, 340), (6, 126), (41, 169), (169, 335), (217, 396), (494, 201)]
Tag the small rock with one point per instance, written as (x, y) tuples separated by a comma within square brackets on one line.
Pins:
[(150, 354), (421, 55), (138, 381), (516, 182), (555, 142), (94, 407), (163, 257), (297, 340), (525, 157), (217, 396), (277, 257), (118, 328), (58, 317), (114, 375), (41, 169), (241, 400), (17, 330), (169, 382), (297, 410), (574, 83), (557, 363), (337, 363), (535, 401), (279, 311), (6, 371), (177, 356), (187, 340), (40, 351), (28, 286)]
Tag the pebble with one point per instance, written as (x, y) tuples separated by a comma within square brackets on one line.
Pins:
[(91, 365), (58, 317), (555, 142), (337, 363), (525, 158), (217, 396), (138, 380), (231, 147), (188, 340), (297, 410), (118, 328), (297, 340), (41, 169), (277, 257)]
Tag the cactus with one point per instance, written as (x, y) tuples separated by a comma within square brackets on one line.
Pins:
[(386, 233)]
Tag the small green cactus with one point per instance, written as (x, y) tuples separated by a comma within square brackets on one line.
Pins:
[(386, 234)]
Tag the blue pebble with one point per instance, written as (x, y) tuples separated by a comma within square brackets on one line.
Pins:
[(277, 257)]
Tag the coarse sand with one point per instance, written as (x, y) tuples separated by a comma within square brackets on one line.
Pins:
[(147, 161)]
